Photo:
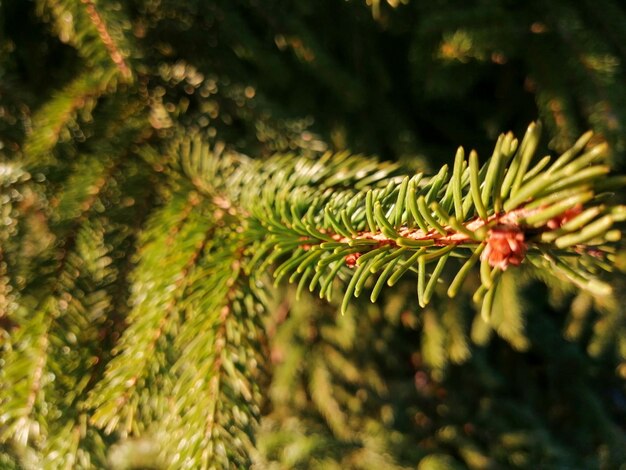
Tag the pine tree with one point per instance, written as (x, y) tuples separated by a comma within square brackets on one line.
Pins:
[(199, 268)]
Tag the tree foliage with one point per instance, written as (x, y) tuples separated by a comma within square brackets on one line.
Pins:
[(183, 207)]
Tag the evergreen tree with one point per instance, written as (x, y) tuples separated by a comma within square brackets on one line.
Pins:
[(198, 269)]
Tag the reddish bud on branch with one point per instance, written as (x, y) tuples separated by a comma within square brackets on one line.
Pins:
[(562, 219), (505, 246), (351, 259)]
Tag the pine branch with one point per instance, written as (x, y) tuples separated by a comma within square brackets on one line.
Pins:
[(98, 37), (55, 346), (195, 323), (107, 40), (554, 214), (31, 343), (53, 121), (46, 353), (221, 361), (158, 285)]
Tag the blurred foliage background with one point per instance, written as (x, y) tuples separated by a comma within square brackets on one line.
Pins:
[(95, 94)]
